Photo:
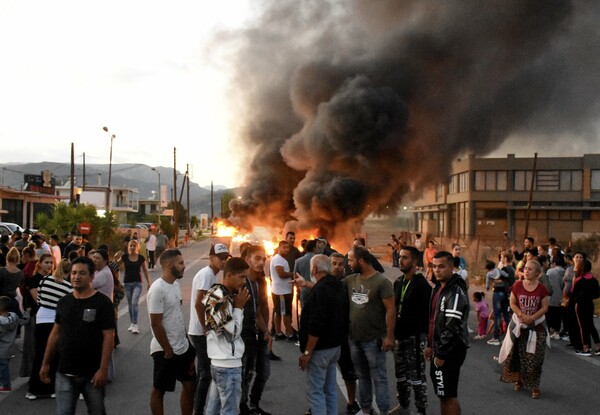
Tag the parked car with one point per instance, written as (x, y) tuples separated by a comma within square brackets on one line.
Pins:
[(8, 228)]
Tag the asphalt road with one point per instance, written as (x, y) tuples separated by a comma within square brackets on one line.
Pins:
[(570, 383)]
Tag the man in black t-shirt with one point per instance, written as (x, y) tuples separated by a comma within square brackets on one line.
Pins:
[(83, 336)]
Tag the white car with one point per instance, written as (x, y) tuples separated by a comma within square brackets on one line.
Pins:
[(8, 228)]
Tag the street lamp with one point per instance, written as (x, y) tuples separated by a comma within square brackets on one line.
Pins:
[(112, 137), (159, 195)]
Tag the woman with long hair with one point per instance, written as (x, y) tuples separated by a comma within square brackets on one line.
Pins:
[(134, 265), (29, 262), (524, 346), (584, 290), (50, 289), (10, 279)]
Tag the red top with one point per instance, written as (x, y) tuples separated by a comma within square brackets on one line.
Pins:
[(529, 301)]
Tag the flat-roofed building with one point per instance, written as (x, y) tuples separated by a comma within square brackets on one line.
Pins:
[(486, 196)]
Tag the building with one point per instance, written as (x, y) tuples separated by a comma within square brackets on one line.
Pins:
[(123, 199), (21, 206), (486, 196)]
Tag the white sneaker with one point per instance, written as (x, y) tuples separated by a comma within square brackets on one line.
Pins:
[(131, 327), (555, 336), (494, 342), (135, 329)]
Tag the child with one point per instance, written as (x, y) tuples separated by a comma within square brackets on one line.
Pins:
[(8, 331), (482, 314)]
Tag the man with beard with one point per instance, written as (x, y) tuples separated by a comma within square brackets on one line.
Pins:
[(255, 334), (412, 301), (172, 353), (372, 319), (82, 337)]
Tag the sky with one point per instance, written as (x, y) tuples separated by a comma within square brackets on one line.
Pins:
[(153, 72)]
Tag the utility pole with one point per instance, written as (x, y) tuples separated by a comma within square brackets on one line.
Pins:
[(212, 209), (528, 212), (187, 214), (84, 170), (175, 195), (72, 198)]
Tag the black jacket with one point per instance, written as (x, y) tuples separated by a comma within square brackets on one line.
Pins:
[(451, 313), (325, 314), (412, 317)]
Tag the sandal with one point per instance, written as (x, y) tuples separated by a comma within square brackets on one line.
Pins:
[(535, 393), (518, 386)]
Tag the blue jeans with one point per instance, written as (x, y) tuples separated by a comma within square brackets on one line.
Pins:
[(4, 374), (500, 303), (225, 391), (321, 382), (370, 367), (203, 372), (68, 389), (133, 290)]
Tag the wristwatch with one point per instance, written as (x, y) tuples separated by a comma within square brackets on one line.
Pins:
[(306, 353)]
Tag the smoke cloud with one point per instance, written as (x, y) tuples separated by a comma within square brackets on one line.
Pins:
[(347, 106)]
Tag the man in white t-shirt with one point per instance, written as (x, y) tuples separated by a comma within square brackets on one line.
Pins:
[(172, 353), (151, 247), (281, 291), (202, 282)]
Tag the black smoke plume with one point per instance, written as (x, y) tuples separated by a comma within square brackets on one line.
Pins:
[(349, 105)]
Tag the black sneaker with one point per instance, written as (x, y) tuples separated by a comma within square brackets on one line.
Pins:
[(273, 356), (293, 338), (279, 336), (352, 408), (257, 410)]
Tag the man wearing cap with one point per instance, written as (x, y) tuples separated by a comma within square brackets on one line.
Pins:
[(202, 282)]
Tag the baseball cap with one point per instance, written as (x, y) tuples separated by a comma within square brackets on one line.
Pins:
[(218, 249)]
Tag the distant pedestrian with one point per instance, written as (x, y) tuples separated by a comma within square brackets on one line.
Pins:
[(82, 337), (134, 264), (151, 248), (483, 314)]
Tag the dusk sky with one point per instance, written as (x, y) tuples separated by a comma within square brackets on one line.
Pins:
[(152, 72)]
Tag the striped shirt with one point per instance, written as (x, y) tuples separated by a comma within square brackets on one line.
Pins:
[(50, 291)]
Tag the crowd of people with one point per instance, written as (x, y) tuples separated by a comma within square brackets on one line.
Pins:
[(66, 294)]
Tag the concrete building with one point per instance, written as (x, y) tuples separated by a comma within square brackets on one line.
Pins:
[(486, 196), (21, 206)]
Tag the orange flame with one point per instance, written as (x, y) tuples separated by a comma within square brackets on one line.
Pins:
[(224, 230)]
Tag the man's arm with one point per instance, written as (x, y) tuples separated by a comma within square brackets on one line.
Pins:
[(100, 378), (310, 346), (160, 334), (200, 307), (282, 273), (390, 323), (49, 353)]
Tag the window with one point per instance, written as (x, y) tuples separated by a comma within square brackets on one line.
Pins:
[(523, 180), (595, 179), (490, 180), (570, 180), (463, 182)]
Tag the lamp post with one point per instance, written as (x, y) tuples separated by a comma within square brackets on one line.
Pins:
[(112, 137), (159, 195)]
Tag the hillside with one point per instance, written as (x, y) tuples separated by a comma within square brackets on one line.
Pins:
[(138, 176)]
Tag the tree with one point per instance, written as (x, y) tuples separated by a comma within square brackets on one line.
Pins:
[(65, 218), (226, 197)]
